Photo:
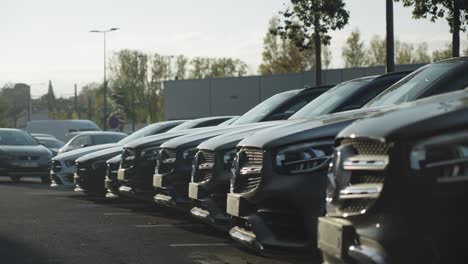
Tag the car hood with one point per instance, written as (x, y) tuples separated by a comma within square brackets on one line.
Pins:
[(114, 160), (158, 139), (100, 155), (197, 138), (231, 139), (74, 154), (422, 117), (38, 150), (324, 127)]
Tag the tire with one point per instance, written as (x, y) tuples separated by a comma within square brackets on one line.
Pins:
[(45, 179), (15, 179)]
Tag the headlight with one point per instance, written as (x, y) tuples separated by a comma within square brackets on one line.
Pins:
[(305, 157), (189, 153), (444, 158), (228, 158), (150, 153), (70, 163)]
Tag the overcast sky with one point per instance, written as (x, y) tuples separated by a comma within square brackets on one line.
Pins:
[(50, 40)]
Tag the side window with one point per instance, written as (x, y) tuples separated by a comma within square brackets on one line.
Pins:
[(213, 122), (81, 140), (363, 97), (453, 85), (292, 106), (164, 129)]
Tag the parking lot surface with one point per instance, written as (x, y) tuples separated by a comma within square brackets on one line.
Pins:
[(41, 225)]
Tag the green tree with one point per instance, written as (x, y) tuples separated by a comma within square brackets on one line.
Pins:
[(353, 53), (281, 55), (181, 67), (50, 97), (307, 23), (422, 54), (455, 11), (376, 53), (327, 57), (404, 53), (442, 54), (200, 68)]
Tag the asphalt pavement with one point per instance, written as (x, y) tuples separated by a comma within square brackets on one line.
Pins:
[(42, 225)]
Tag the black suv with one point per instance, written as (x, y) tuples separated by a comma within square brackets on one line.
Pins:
[(398, 186), (278, 189), (212, 166), (136, 174)]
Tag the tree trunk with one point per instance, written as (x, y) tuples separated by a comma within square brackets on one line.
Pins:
[(456, 30), (318, 55)]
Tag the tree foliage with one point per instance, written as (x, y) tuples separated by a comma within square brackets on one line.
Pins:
[(442, 54), (307, 23), (455, 12), (353, 52), (376, 53), (281, 55)]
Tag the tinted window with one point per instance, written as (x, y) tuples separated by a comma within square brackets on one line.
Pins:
[(107, 138), (329, 100), (212, 122), (80, 141), (293, 106), (51, 143), (16, 138), (412, 85), (263, 109)]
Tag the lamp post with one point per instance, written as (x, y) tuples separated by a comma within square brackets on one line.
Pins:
[(104, 32), (29, 98)]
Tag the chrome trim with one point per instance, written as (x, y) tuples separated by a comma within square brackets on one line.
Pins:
[(244, 237), (366, 162), (366, 255), (361, 191)]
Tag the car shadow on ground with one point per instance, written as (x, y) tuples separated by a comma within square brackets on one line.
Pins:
[(12, 251)]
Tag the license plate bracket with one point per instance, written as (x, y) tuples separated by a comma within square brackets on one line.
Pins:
[(121, 175), (157, 181), (193, 190), (335, 236), (233, 204)]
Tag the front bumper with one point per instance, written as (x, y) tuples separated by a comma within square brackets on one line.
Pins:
[(136, 182), (40, 170), (60, 179), (208, 211)]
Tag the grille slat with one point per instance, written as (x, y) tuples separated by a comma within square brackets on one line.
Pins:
[(362, 147), (56, 166), (248, 182), (128, 158), (167, 161), (204, 166)]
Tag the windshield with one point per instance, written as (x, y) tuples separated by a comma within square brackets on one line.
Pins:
[(329, 100), (412, 85), (185, 125), (263, 109), (16, 138), (143, 132)]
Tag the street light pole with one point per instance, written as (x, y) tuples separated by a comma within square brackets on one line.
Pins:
[(104, 32)]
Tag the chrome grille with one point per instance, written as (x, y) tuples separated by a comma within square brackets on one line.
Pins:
[(128, 158), (111, 171), (56, 166), (353, 206), (81, 169), (167, 161), (250, 168), (204, 166), (364, 146), (362, 174)]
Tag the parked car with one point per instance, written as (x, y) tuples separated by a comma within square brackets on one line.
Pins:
[(63, 165), (211, 174), (59, 128), (91, 168), (136, 175), (398, 184), (87, 139), (278, 188), (51, 143), (21, 155)]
